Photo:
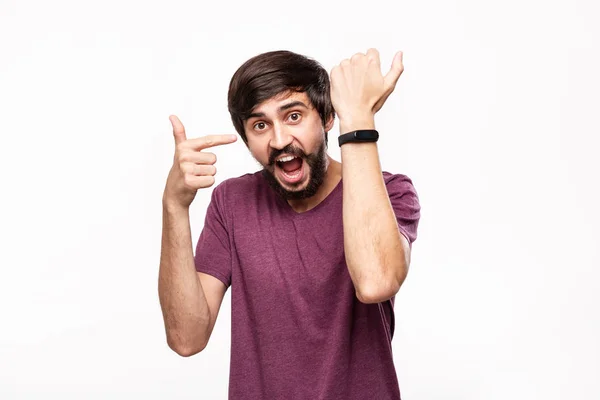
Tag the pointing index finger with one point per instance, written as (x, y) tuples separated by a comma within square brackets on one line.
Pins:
[(205, 142)]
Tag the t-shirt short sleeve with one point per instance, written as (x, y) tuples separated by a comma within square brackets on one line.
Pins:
[(405, 203), (213, 251)]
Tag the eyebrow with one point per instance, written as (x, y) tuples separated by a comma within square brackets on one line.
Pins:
[(281, 109)]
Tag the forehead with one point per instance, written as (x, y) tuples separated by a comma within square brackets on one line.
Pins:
[(271, 106)]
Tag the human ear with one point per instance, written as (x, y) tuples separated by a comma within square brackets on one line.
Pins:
[(329, 123)]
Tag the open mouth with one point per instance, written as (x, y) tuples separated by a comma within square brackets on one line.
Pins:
[(290, 169)]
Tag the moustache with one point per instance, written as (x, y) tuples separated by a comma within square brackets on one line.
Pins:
[(293, 151)]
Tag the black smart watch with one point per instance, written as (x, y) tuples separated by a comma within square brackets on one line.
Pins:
[(363, 135)]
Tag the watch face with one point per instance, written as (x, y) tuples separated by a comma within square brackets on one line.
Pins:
[(365, 135)]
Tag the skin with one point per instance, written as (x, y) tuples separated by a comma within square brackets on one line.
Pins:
[(189, 300), (377, 254), (280, 130)]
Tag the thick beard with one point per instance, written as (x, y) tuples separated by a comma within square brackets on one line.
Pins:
[(317, 167)]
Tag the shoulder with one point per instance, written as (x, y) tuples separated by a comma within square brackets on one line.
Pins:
[(241, 187), (248, 181), (405, 202), (398, 184)]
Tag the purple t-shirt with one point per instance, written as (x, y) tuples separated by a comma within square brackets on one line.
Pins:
[(297, 329)]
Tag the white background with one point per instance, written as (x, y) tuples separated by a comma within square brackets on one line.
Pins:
[(495, 118)]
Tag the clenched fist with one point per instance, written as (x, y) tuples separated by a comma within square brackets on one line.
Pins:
[(192, 168), (359, 89)]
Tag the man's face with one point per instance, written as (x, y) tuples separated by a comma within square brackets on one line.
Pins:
[(286, 136)]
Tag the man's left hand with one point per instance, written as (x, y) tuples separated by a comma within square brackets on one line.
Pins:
[(358, 88)]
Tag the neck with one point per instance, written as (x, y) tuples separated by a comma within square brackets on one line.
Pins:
[(332, 178)]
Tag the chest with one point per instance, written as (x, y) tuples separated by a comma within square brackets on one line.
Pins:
[(280, 255)]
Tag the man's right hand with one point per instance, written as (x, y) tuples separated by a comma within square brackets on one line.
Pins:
[(192, 168)]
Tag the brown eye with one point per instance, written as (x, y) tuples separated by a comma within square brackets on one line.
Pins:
[(295, 117), (259, 126)]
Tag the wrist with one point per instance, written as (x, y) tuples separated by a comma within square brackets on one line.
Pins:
[(173, 207), (356, 123)]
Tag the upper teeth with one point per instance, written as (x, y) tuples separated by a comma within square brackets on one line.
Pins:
[(287, 158)]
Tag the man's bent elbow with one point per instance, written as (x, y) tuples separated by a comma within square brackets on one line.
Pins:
[(185, 349), (375, 294)]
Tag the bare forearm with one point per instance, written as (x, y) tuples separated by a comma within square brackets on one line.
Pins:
[(372, 241), (184, 307)]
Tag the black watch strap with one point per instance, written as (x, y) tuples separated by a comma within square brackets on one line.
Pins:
[(363, 135)]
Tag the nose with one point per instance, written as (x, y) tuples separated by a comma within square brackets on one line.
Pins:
[(280, 138)]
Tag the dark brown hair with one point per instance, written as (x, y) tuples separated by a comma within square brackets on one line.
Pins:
[(273, 73)]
